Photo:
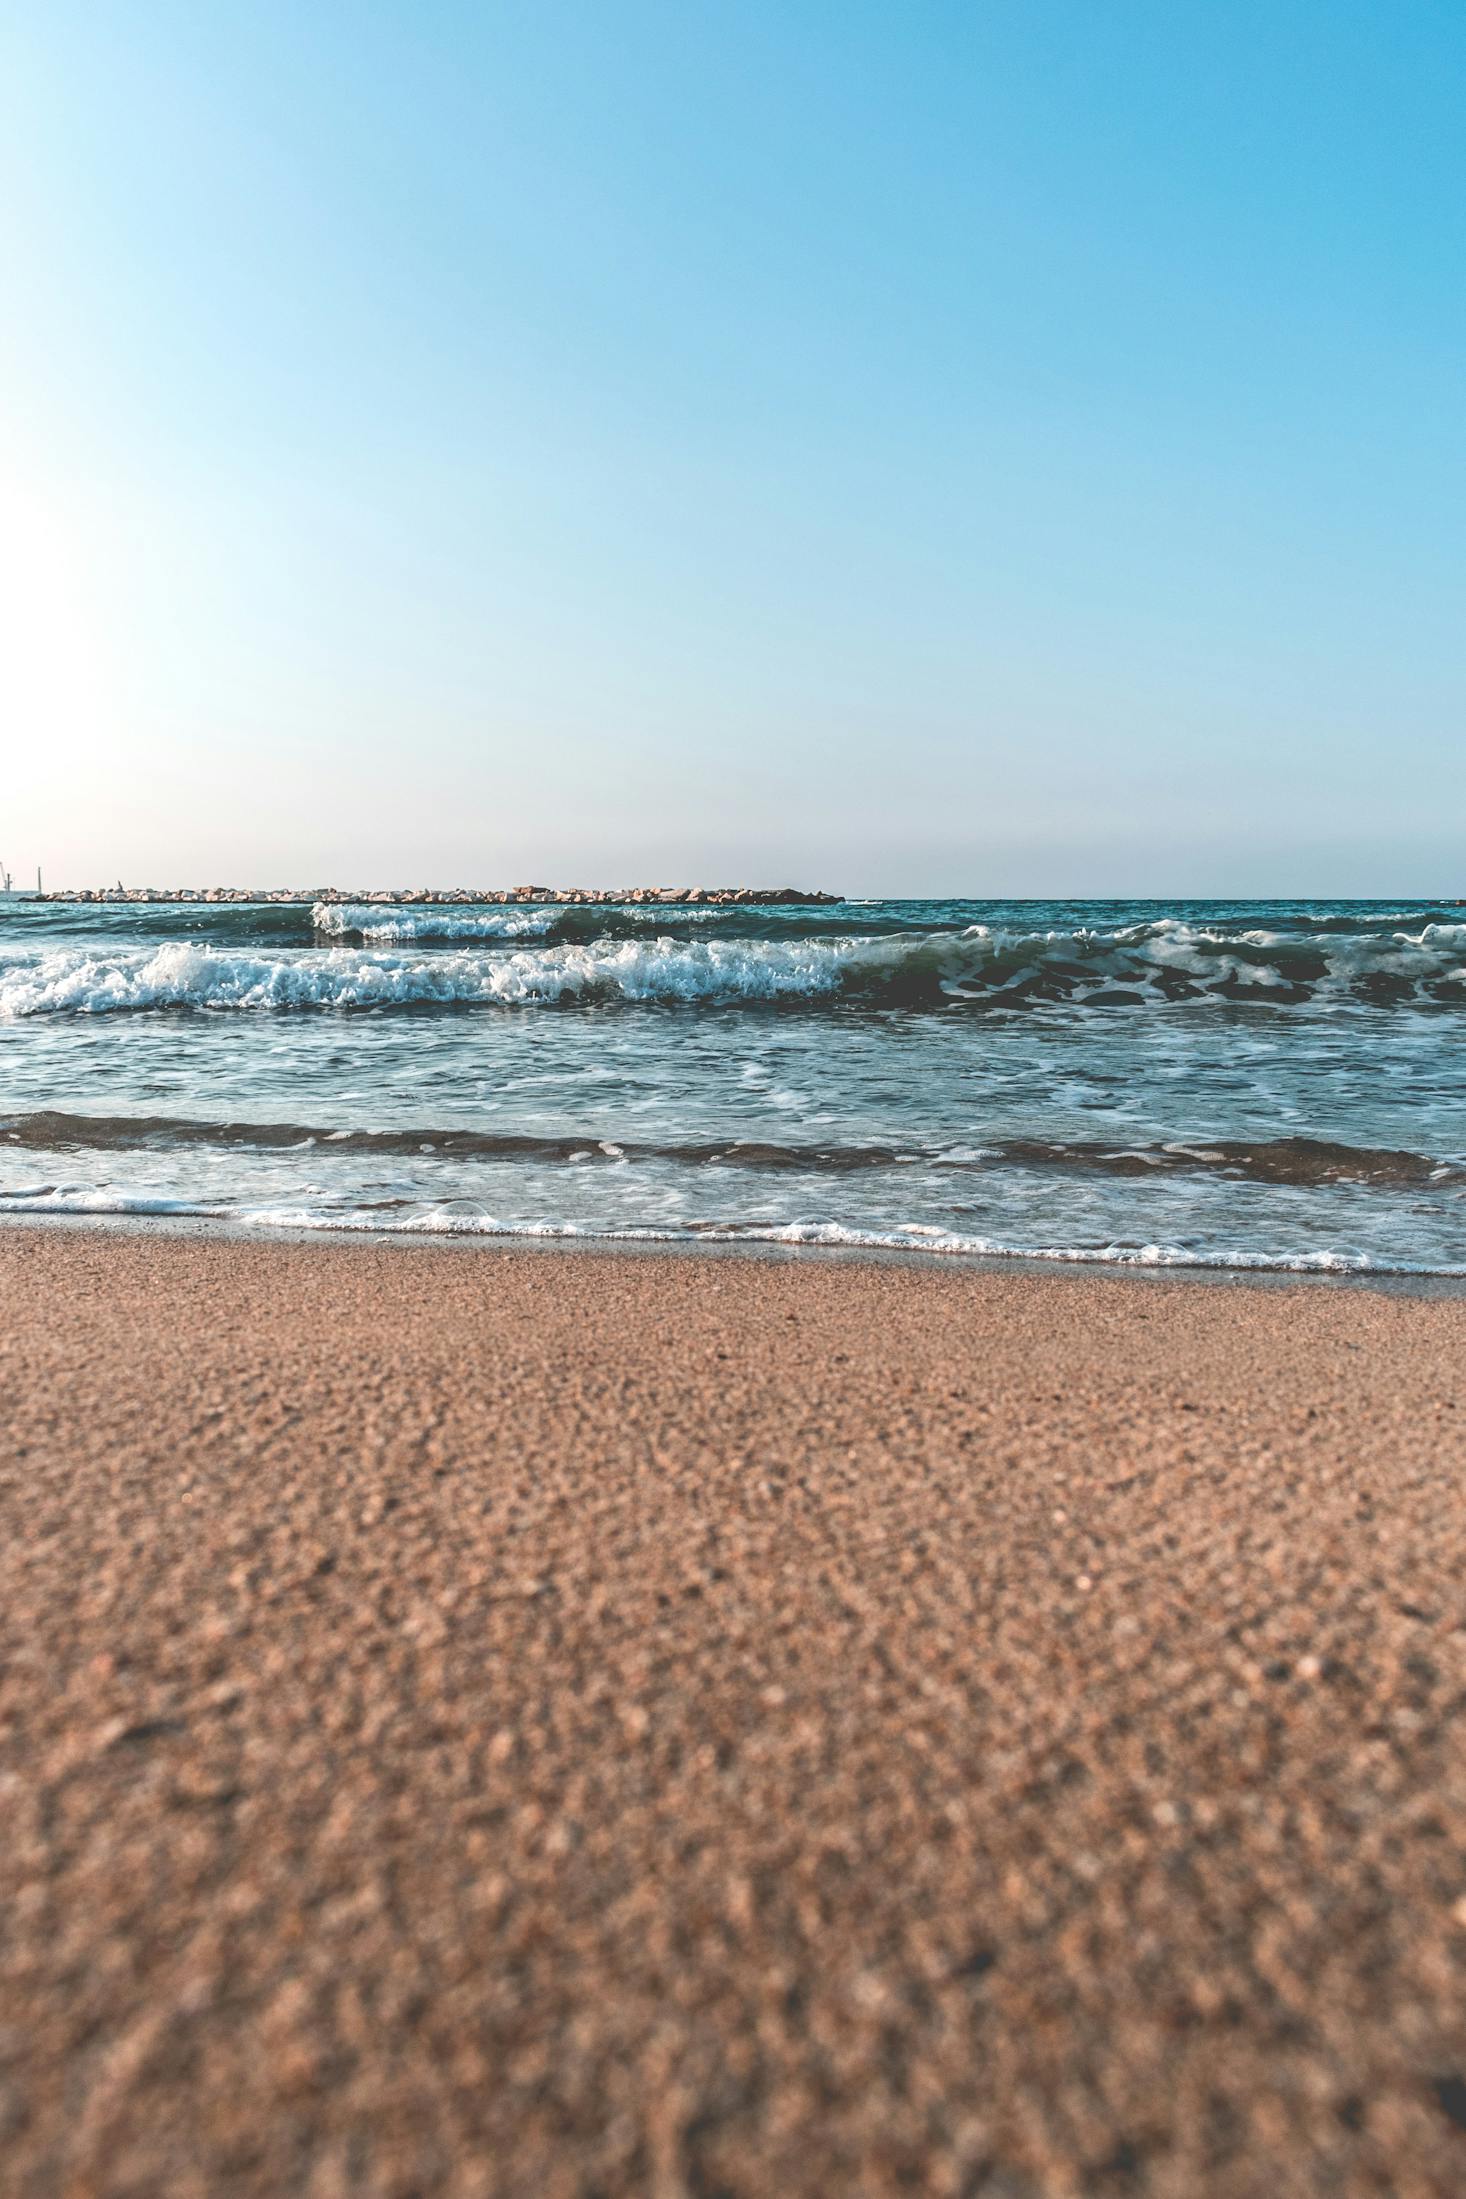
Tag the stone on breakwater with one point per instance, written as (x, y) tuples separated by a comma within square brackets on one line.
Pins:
[(420, 896)]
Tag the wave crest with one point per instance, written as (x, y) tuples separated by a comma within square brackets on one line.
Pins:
[(388, 924), (384, 923), (1301, 1161), (1151, 964)]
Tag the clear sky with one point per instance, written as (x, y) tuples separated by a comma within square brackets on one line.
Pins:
[(932, 447)]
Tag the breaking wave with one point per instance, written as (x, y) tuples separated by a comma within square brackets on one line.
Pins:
[(388, 924), (1146, 964), (1297, 1160), (385, 923)]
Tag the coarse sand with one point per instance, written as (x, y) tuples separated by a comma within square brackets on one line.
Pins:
[(499, 1722)]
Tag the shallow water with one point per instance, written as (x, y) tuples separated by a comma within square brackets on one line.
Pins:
[(1233, 1084)]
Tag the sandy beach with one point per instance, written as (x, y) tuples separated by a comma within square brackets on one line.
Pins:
[(497, 1722)]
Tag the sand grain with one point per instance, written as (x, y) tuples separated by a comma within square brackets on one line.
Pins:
[(506, 1723)]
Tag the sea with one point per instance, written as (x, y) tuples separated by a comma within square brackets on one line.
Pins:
[(1229, 1085)]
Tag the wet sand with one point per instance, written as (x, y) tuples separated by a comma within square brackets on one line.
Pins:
[(500, 1722)]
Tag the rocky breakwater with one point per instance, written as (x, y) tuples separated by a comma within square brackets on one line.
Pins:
[(409, 897)]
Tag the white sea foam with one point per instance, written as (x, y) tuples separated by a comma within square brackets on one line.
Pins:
[(378, 923), (908, 1238), (384, 923)]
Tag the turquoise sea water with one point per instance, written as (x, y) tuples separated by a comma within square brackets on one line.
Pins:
[(1249, 1084)]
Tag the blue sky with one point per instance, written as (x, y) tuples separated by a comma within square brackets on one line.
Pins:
[(1009, 448)]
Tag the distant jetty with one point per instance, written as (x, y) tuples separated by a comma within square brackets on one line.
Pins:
[(417, 896)]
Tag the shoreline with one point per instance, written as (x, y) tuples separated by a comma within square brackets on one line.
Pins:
[(1389, 1282), (742, 1725)]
